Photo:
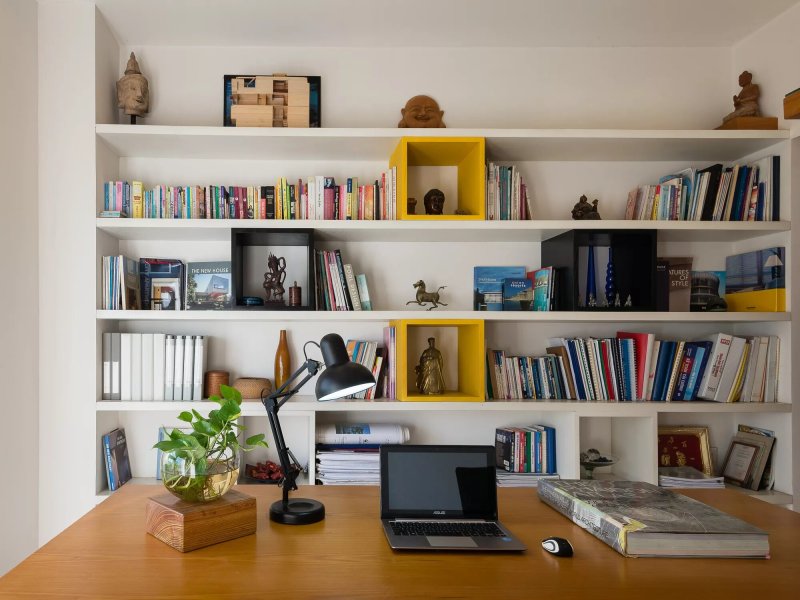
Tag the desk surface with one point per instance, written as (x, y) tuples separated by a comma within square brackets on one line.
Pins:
[(108, 555)]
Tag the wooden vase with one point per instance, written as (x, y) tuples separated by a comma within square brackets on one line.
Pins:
[(283, 362)]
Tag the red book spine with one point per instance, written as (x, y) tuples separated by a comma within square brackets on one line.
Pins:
[(607, 366)]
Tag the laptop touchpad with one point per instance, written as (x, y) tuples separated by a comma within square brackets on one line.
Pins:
[(451, 541)]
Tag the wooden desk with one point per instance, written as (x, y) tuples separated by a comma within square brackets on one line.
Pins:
[(107, 555)]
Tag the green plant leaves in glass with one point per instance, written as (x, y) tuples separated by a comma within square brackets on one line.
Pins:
[(201, 463)]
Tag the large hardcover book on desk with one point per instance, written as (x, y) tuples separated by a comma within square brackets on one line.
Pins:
[(640, 519)]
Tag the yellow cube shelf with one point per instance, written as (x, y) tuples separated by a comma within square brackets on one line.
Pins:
[(467, 154), (464, 337)]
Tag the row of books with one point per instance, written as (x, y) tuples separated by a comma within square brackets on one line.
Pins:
[(636, 366), (738, 193), (337, 285), (153, 283), (349, 454), (375, 359), (530, 377), (529, 449), (506, 195), (316, 198), (511, 288), (153, 367)]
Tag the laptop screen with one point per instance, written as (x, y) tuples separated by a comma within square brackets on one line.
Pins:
[(443, 482)]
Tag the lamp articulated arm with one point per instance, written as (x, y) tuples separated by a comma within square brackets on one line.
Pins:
[(272, 403)]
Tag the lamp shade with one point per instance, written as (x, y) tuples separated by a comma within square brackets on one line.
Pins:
[(341, 376)]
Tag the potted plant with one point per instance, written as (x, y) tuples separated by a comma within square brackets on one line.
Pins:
[(201, 464)]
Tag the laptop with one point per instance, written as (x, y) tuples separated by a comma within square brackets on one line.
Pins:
[(442, 498)]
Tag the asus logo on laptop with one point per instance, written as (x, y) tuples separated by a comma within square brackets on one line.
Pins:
[(438, 512)]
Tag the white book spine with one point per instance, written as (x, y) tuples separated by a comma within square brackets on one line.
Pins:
[(159, 341), (147, 367), (749, 374), (199, 367), (715, 365), (180, 340), (188, 364), (773, 354), (115, 349), (731, 369), (169, 368), (125, 364), (106, 366), (136, 367), (760, 374)]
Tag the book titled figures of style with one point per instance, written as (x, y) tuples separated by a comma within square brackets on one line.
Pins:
[(640, 519)]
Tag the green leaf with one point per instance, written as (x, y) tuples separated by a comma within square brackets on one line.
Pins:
[(229, 410), (169, 445), (185, 416), (198, 416), (204, 427), (231, 393), (256, 440)]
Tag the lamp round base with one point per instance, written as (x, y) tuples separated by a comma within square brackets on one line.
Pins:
[(300, 511)]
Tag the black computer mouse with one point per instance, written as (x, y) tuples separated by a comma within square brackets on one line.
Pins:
[(558, 546)]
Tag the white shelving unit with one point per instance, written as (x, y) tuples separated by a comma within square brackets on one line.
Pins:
[(243, 341), (558, 166)]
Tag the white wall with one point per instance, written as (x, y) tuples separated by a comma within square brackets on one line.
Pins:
[(18, 259), (68, 348), (647, 88), (771, 54)]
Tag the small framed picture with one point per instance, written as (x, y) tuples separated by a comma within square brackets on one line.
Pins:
[(165, 293), (683, 446), (739, 462)]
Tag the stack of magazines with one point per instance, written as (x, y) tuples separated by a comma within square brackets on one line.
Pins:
[(349, 454), (507, 479), (687, 477)]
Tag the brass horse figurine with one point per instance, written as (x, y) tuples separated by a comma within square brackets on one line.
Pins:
[(424, 296)]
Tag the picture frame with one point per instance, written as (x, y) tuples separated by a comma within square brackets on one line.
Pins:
[(739, 462), (165, 293), (685, 445), (314, 112), (764, 444)]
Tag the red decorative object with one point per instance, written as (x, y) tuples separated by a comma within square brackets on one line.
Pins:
[(266, 471)]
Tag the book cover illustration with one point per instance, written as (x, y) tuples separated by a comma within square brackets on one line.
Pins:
[(756, 281), (708, 292), (208, 285), (118, 466), (131, 292), (616, 511), (517, 294), (488, 286), (542, 288)]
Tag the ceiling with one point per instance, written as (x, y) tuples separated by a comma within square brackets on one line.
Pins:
[(438, 23)]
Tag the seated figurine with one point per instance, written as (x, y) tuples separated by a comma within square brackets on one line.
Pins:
[(745, 103), (583, 211)]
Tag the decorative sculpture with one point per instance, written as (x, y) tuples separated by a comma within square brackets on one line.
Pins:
[(423, 296), (421, 111), (434, 202), (412, 206), (274, 278), (745, 103), (133, 91), (610, 283), (430, 370), (583, 211)]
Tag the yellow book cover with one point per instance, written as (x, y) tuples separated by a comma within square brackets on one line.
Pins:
[(756, 281)]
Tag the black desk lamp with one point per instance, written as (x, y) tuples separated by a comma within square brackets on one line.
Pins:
[(340, 378)]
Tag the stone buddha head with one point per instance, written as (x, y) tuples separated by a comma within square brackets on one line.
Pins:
[(421, 111), (133, 91)]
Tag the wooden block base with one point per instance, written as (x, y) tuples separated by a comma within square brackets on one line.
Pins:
[(791, 106), (188, 526), (750, 123)]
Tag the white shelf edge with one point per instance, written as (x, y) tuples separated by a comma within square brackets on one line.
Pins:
[(304, 405), (388, 315), (105, 129)]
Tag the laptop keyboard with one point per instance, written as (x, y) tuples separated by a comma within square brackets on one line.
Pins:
[(445, 528)]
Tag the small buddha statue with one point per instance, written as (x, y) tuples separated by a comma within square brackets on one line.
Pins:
[(133, 91), (430, 370), (434, 202), (421, 111), (745, 103)]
